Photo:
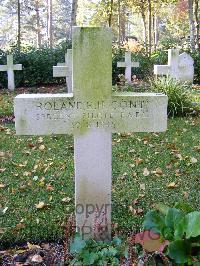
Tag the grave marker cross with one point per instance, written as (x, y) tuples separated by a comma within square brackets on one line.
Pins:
[(179, 66), (10, 67), (92, 112), (128, 65), (65, 70)]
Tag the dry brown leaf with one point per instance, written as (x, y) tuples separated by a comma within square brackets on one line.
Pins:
[(20, 226), (66, 200), (172, 185), (2, 185), (197, 148), (2, 154), (2, 170), (138, 161), (42, 147), (40, 205), (50, 187)]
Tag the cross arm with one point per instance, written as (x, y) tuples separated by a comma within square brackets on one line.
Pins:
[(135, 64), (60, 71), (3, 68), (17, 67), (121, 64)]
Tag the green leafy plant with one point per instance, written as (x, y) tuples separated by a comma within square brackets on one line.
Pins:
[(181, 227), (179, 99), (92, 252)]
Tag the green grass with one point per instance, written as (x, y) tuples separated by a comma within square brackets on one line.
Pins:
[(29, 171)]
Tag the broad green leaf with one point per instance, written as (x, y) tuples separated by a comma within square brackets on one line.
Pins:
[(183, 206), (162, 208), (193, 224), (77, 245), (89, 258), (173, 217), (154, 221), (116, 241), (179, 250)]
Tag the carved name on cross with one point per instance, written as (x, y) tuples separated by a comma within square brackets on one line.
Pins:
[(91, 113)]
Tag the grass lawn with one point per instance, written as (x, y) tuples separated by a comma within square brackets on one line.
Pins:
[(37, 177)]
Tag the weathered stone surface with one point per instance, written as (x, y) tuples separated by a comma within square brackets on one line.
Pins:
[(92, 112)]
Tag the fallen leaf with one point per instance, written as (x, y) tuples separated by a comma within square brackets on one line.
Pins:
[(37, 258), (20, 226), (138, 161), (2, 185), (50, 187), (40, 140), (2, 154), (42, 147), (146, 172), (32, 246), (66, 200), (40, 205), (2, 170), (193, 160), (142, 186), (172, 185), (4, 210), (197, 148)]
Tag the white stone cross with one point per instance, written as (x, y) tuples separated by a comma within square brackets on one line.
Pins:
[(65, 70), (180, 67), (92, 112), (128, 64), (10, 67)]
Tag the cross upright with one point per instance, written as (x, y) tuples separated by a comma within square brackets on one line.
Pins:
[(91, 113), (65, 70), (177, 66), (10, 67), (128, 64)]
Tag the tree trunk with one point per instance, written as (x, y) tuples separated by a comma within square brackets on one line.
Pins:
[(39, 40), (156, 30), (191, 23), (110, 14), (19, 24), (119, 23), (145, 30), (197, 19), (50, 23), (150, 25), (123, 23), (74, 13)]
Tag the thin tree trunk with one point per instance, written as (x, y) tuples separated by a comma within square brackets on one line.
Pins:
[(74, 13), (39, 41), (150, 25), (191, 23), (19, 24), (119, 23), (156, 30), (123, 23), (50, 24), (145, 30), (110, 14), (197, 19)]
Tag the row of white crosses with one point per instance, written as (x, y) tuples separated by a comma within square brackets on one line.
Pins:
[(91, 113), (180, 67)]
